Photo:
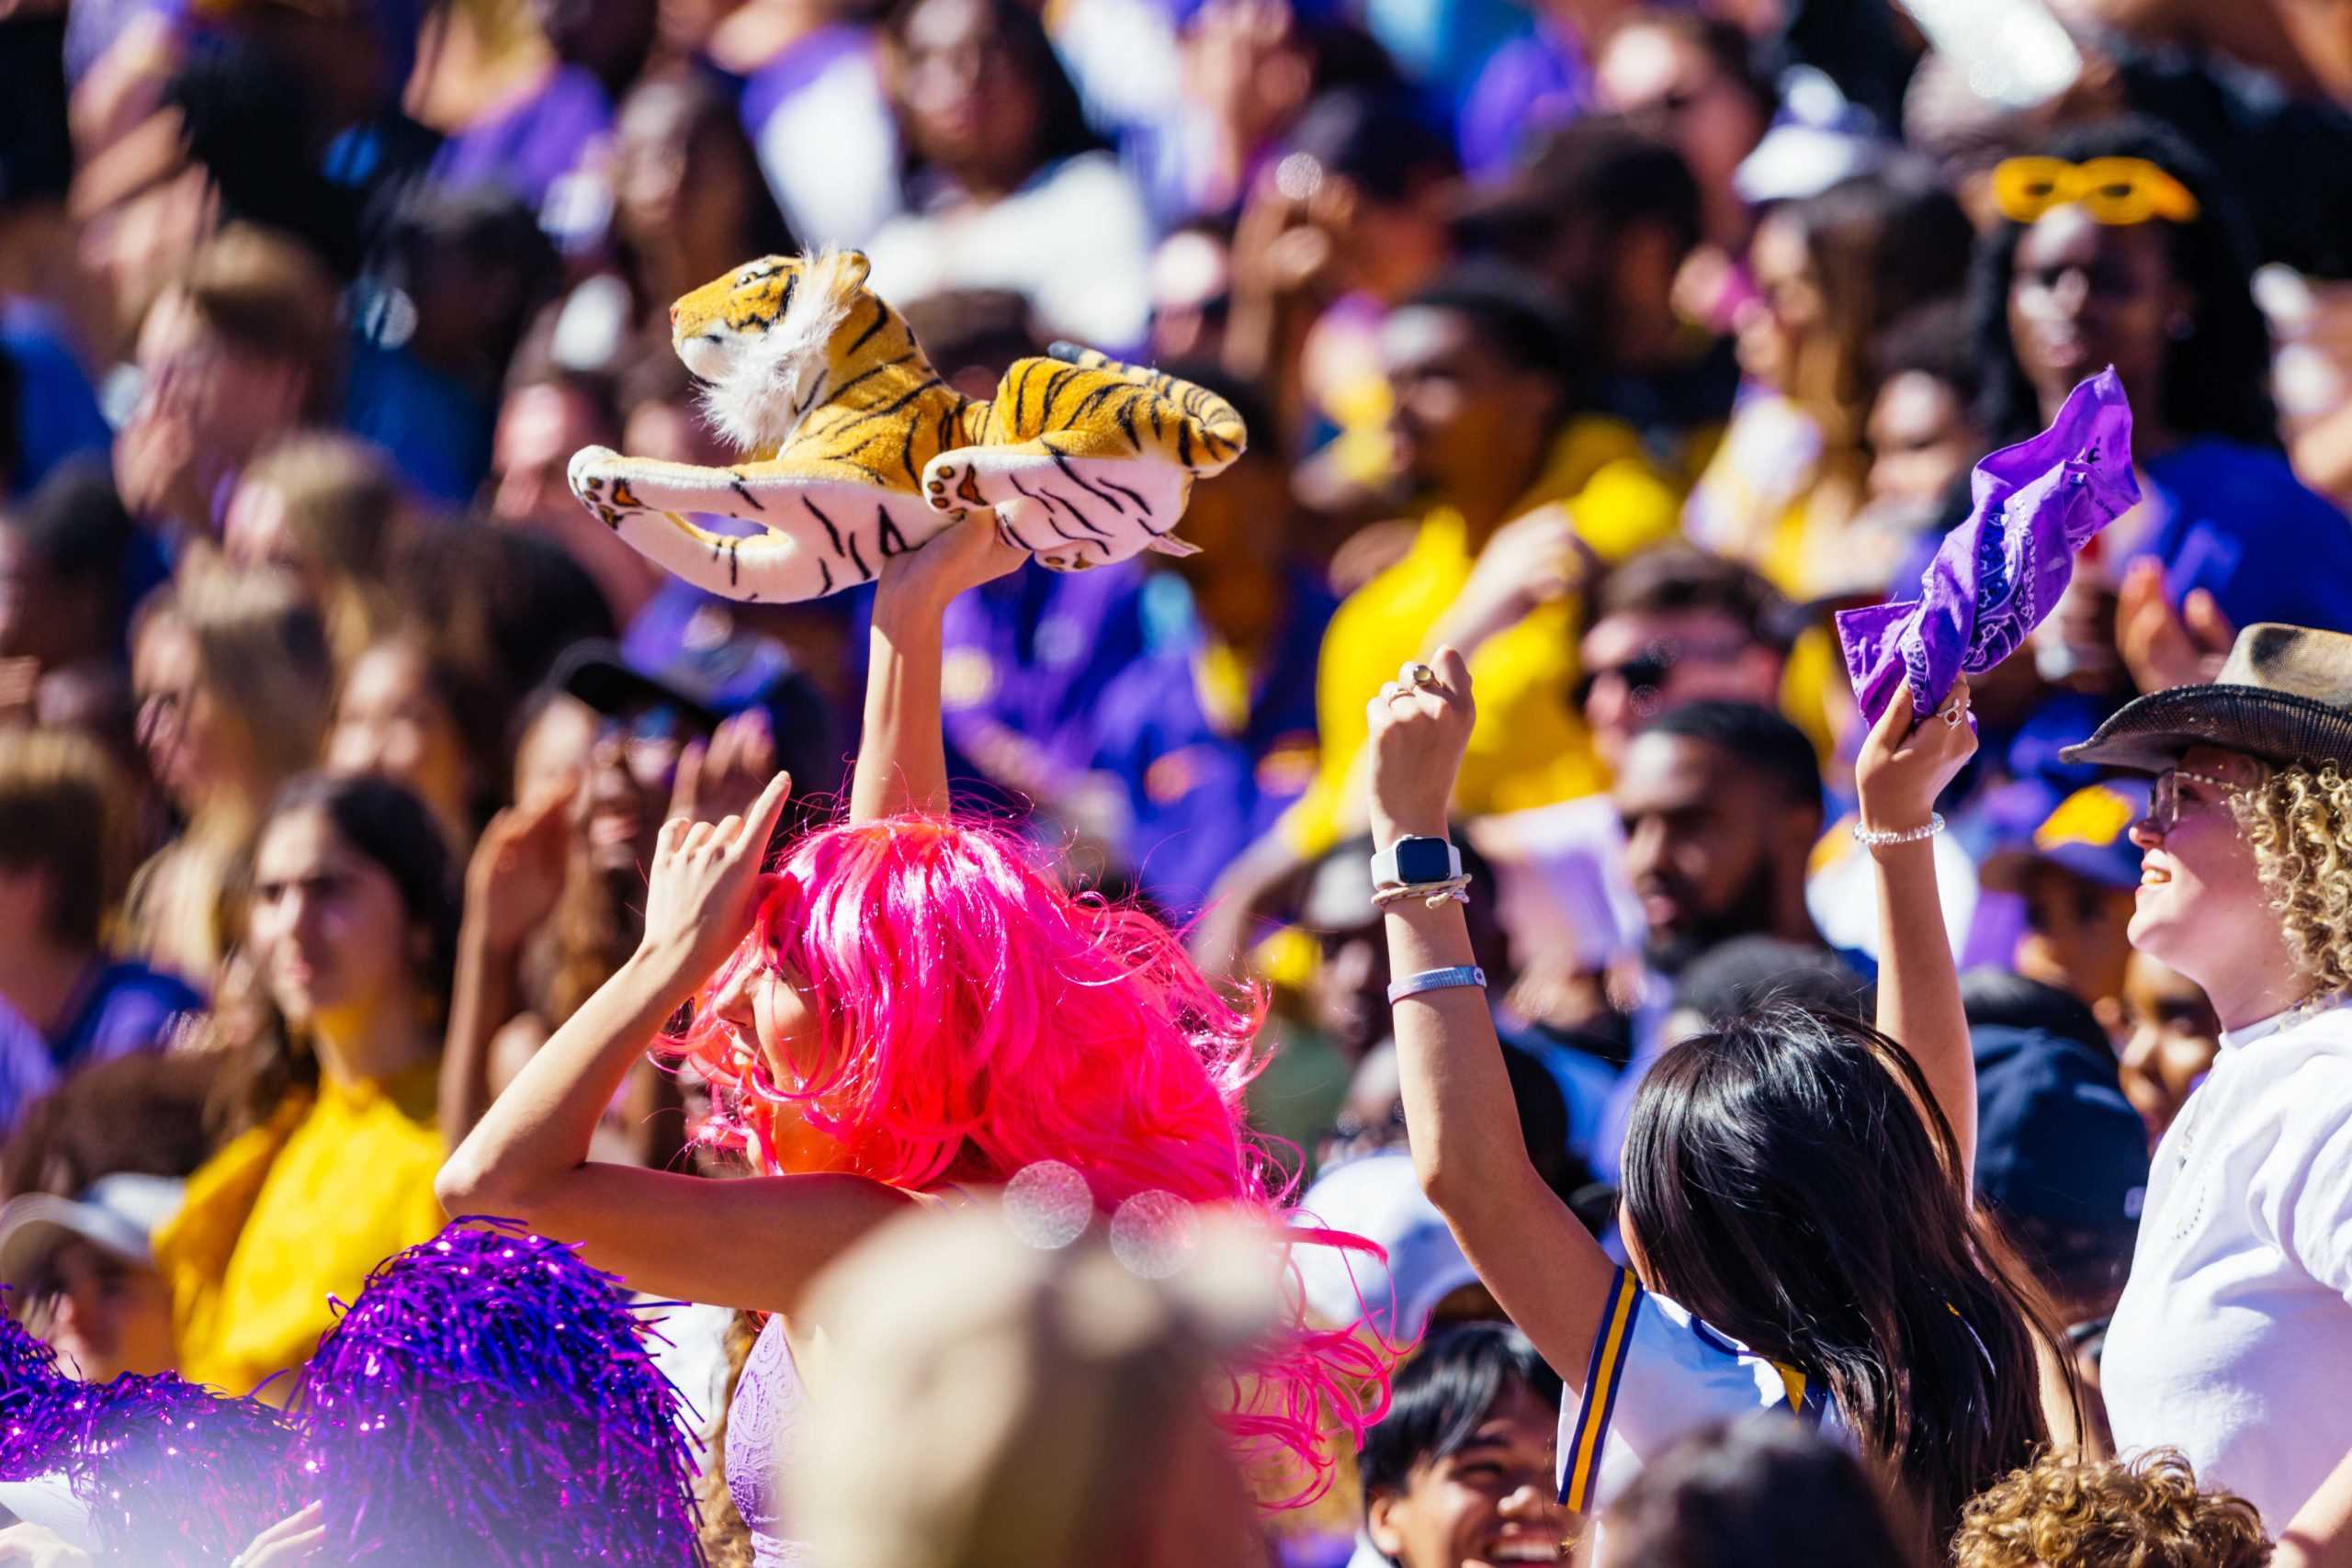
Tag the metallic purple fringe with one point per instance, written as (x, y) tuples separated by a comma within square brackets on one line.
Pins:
[(176, 1476), (34, 1393), (173, 1475), (489, 1399)]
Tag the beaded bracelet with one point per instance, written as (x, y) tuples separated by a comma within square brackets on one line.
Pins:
[(1873, 839)]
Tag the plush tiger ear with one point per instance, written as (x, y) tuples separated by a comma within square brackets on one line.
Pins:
[(859, 268)]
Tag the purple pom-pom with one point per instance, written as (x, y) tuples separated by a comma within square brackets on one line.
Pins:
[(489, 1399), (36, 1397), (176, 1474), (171, 1472)]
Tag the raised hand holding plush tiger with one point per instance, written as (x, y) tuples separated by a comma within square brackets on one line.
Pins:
[(856, 451)]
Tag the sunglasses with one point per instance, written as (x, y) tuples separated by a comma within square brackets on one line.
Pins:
[(2119, 192), (2166, 803), (1646, 673), (652, 738)]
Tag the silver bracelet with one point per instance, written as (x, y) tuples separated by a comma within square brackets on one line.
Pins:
[(1871, 839), (1435, 980)]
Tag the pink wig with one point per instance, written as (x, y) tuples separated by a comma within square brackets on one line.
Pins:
[(973, 1018)]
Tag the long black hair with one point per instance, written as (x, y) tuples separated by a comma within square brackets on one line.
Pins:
[(2217, 377), (1790, 1180), (1442, 1395), (389, 825)]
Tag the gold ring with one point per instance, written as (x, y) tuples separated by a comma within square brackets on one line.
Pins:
[(1417, 675)]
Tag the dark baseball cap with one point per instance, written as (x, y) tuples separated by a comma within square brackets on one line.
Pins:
[(707, 685), (2058, 1147)]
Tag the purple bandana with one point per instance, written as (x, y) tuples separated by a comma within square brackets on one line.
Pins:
[(1999, 573)]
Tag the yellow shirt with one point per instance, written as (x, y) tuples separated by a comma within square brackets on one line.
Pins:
[(1529, 746), (291, 1212)]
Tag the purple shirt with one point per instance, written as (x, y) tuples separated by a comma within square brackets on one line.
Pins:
[(1031, 653), (529, 144), (122, 1007)]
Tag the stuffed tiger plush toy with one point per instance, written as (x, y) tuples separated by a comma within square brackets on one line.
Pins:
[(856, 451)]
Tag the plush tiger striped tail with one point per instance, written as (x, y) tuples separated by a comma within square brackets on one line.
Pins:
[(1218, 434)]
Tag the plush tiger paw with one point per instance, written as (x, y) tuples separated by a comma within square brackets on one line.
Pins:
[(954, 486), (595, 479)]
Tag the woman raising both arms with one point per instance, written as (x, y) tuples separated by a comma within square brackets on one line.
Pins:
[(938, 1012), (1796, 1186)]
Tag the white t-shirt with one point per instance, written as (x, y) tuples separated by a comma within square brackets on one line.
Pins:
[(1074, 240), (2233, 1340), (1658, 1374)]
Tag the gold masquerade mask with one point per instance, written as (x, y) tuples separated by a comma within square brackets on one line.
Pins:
[(2117, 191)]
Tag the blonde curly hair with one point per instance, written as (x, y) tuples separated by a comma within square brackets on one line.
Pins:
[(2147, 1513), (2299, 825)]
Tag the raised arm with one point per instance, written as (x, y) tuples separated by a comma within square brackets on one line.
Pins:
[(1903, 768), (902, 756), (512, 885), (751, 1244), (1550, 1276)]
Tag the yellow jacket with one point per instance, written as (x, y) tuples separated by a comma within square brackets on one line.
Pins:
[(295, 1210), (1529, 746)]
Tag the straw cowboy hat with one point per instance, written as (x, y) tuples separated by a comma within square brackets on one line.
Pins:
[(2285, 694)]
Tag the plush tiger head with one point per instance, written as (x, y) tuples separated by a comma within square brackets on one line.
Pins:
[(759, 339)]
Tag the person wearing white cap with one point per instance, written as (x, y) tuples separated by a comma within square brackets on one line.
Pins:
[(84, 1272)]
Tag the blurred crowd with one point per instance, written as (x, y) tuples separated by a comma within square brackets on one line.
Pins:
[(1619, 344)]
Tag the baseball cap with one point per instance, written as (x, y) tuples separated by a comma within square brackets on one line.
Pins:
[(2057, 1145), (2088, 833), (119, 1214), (707, 681)]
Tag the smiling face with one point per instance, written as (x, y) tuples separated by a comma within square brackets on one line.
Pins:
[(1492, 1501), (765, 1002), (2201, 907)]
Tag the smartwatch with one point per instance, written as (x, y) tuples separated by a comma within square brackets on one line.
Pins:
[(1415, 862)]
